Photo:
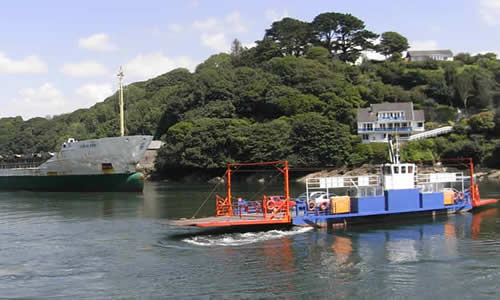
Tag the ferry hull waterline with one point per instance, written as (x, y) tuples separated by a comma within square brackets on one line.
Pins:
[(98, 165)]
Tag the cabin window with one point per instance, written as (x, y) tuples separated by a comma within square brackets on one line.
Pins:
[(403, 169), (396, 169), (420, 124), (107, 166), (387, 170), (410, 169)]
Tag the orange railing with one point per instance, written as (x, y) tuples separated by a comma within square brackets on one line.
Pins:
[(280, 210)]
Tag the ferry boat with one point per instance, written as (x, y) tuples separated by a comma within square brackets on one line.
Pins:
[(398, 191), (96, 165)]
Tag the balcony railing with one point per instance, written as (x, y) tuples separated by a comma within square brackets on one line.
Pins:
[(391, 118), (394, 129)]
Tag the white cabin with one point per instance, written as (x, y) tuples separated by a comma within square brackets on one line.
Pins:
[(398, 176)]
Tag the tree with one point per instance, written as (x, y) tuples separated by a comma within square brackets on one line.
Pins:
[(343, 35), (464, 87), (292, 36), (236, 48), (497, 121), (392, 42), (482, 122), (318, 53), (317, 141)]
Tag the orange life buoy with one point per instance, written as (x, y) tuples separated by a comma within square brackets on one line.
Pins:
[(311, 205), (270, 204), (323, 206)]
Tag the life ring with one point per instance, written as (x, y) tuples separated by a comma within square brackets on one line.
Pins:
[(311, 205), (270, 204), (323, 206)]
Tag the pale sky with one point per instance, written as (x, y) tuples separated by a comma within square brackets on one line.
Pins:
[(59, 56)]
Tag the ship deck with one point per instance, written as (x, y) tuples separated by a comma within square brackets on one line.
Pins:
[(224, 221)]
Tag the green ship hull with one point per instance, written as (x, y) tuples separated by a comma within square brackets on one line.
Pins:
[(131, 182)]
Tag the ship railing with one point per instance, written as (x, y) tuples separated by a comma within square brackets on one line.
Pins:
[(343, 181), (359, 186), (20, 165), (437, 182), (260, 209)]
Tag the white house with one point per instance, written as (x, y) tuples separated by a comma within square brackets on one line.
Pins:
[(380, 121), (423, 55)]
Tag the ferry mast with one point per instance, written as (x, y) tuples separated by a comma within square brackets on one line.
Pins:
[(122, 122)]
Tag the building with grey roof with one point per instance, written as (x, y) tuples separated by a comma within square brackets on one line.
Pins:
[(380, 121), (445, 55)]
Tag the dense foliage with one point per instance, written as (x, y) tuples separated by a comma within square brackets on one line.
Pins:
[(293, 96)]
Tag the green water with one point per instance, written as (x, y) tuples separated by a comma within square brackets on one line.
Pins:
[(116, 246)]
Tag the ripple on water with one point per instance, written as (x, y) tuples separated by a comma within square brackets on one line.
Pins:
[(239, 239)]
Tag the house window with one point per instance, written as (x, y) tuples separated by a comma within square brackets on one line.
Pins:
[(365, 136)]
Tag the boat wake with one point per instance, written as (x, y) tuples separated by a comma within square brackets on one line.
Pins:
[(239, 239)]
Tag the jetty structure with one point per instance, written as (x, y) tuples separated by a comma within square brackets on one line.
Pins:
[(398, 191), (95, 165)]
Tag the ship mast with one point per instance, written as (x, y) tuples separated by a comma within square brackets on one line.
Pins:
[(394, 150), (122, 122)]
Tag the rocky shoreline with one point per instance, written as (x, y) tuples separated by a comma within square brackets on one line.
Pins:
[(488, 174)]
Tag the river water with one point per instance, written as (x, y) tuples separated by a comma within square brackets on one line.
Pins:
[(117, 246)]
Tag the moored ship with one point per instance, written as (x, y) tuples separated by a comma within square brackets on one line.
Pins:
[(106, 164), (95, 165)]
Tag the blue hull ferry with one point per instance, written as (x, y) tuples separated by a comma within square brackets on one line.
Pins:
[(397, 191)]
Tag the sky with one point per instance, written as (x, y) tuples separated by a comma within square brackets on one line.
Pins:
[(58, 56)]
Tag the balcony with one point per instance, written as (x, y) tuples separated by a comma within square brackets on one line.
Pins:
[(394, 129), (391, 118)]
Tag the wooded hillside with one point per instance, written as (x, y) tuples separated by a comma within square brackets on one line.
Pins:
[(293, 96)]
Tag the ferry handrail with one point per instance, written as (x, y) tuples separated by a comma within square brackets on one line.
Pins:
[(348, 181)]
